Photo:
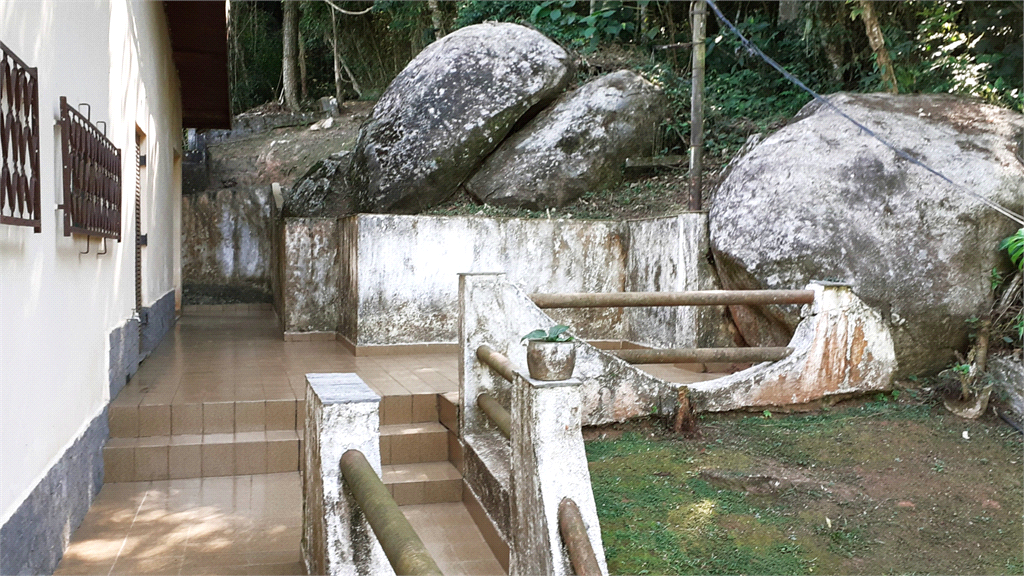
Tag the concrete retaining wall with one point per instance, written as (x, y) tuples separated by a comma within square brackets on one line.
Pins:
[(309, 275), (396, 279), (671, 255), (227, 241)]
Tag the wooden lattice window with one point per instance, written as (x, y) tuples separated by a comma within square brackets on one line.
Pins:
[(19, 139), (92, 177)]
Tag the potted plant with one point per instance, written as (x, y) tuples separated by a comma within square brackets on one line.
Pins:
[(550, 355)]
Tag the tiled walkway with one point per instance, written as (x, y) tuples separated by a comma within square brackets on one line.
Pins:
[(218, 405), (218, 379)]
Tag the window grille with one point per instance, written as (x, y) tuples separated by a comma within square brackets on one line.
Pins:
[(92, 177), (19, 140)]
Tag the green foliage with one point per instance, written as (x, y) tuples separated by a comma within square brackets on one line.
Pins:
[(613, 22), (973, 49), (475, 12), (254, 49), (1014, 246), (555, 334)]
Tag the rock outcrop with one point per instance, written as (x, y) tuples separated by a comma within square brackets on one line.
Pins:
[(821, 200), (321, 191), (579, 144), (448, 109)]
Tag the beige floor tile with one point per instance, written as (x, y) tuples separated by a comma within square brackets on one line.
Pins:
[(187, 418)]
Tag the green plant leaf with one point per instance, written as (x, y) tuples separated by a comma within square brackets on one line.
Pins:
[(556, 332), (536, 334), (556, 14)]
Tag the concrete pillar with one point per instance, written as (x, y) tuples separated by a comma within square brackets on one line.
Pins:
[(549, 463), (342, 413)]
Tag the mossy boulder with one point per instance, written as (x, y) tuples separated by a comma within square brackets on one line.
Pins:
[(822, 200), (580, 143), (450, 108)]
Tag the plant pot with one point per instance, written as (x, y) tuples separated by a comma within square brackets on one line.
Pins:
[(550, 361)]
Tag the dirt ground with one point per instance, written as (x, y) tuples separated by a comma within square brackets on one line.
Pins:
[(890, 485)]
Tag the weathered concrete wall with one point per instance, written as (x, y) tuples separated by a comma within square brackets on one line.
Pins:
[(497, 313), (348, 277), (544, 461), (549, 463), (227, 239), (841, 346), (342, 414), (671, 255), (408, 270), (309, 279)]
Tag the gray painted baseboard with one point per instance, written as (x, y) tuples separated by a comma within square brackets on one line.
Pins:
[(34, 539), (124, 355), (158, 319)]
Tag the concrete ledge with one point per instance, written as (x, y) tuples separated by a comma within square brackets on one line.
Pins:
[(310, 336), (225, 309), (398, 349)]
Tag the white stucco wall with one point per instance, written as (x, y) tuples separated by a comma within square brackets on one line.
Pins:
[(57, 306)]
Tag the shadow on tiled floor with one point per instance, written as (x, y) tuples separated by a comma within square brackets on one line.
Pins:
[(226, 525)]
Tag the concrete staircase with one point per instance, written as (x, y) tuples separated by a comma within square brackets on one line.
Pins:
[(154, 439)]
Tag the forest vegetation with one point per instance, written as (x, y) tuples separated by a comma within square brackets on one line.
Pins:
[(352, 50)]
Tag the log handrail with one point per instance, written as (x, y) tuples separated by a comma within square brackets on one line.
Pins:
[(400, 542), (694, 298), (496, 361), (577, 542), (701, 355), (497, 413)]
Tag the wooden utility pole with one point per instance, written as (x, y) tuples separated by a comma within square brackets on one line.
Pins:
[(698, 21)]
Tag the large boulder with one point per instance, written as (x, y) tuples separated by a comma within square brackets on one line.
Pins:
[(448, 109), (578, 144), (822, 200)]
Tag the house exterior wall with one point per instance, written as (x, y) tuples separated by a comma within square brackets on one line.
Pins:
[(63, 313)]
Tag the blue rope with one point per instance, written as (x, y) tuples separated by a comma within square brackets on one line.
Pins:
[(755, 50)]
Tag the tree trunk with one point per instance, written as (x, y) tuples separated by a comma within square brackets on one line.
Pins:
[(302, 68), (877, 41), (290, 41), (435, 18), (337, 58), (643, 22)]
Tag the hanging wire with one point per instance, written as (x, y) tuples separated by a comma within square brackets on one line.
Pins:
[(755, 50)]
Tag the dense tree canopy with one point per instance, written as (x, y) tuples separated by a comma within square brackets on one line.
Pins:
[(353, 49)]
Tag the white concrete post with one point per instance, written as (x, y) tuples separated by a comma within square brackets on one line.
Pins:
[(548, 463), (342, 413), (481, 313)]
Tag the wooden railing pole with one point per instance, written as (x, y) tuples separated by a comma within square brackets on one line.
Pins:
[(497, 413), (574, 534), (497, 361), (695, 298), (701, 355), (400, 542)]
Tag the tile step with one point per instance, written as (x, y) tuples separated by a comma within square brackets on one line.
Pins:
[(413, 443), (423, 483), (143, 420), (201, 455)]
